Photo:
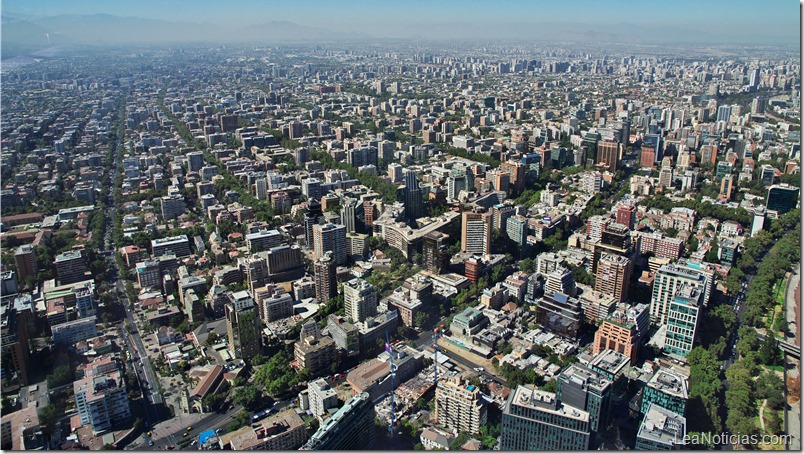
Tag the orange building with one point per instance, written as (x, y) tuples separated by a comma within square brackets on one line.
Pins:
[(623, 331)]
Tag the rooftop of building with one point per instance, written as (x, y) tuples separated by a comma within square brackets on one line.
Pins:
[(610, 361), (205, 385), (529, 397), (662, 426), (670, 382), (96, 387), (20, 422), (312, 343), (581, 375), (367, 374), (265, 429), (67, 256), (170, 240), (338, 416)]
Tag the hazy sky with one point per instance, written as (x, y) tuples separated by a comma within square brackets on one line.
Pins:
[(383, 18)]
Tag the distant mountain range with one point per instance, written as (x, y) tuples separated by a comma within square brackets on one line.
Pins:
[(23, 35)]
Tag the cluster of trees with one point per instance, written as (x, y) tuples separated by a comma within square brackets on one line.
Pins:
[(704, 209), (529, 197), (248, 396), (214, 402), (277, 376), (61, 376), (463, 153), (707, 393), (386, 190), (705, 390), (582, 276), (759, 299), (515, 376), (747, 386)]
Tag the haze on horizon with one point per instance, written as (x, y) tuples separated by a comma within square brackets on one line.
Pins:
[(35, 24)]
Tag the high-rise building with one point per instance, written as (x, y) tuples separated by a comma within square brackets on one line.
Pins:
[(535, 420), (660, 245), (726, 187), (102, 401), (263, 239), (311, 188), (476, 232), (326, 285), (243, 326), (172, 206), (350, 428), (176, 245), (626, 215), (516, 174), (312, 216), (613, 276), (413, 197), (595, 226), (782, 198), (348, 218), (357, 245), (682, 320), (517, 229), (273, 305), (669, 279), (455, 184), (458, 406), (617, 236), (559, 314), (434, 252), (708, 154), (723, 113), (261, 189), (668, 390), (284, 431), (322, 397), (195, 160), (359, 300), (149, 275), (753, 78), (608, 155), (84, 304), (330, 238), (70, 267), (585, 389), (14, 330), (315, 353), (661, 430), (623, 331), (25, 259), (395, 172), (758, 222), (500, 214), (559, 280)]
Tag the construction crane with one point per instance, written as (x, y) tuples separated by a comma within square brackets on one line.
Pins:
[(437, 333), (390, 350)]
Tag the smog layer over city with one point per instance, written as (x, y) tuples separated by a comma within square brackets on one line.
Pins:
[(361, 225)]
